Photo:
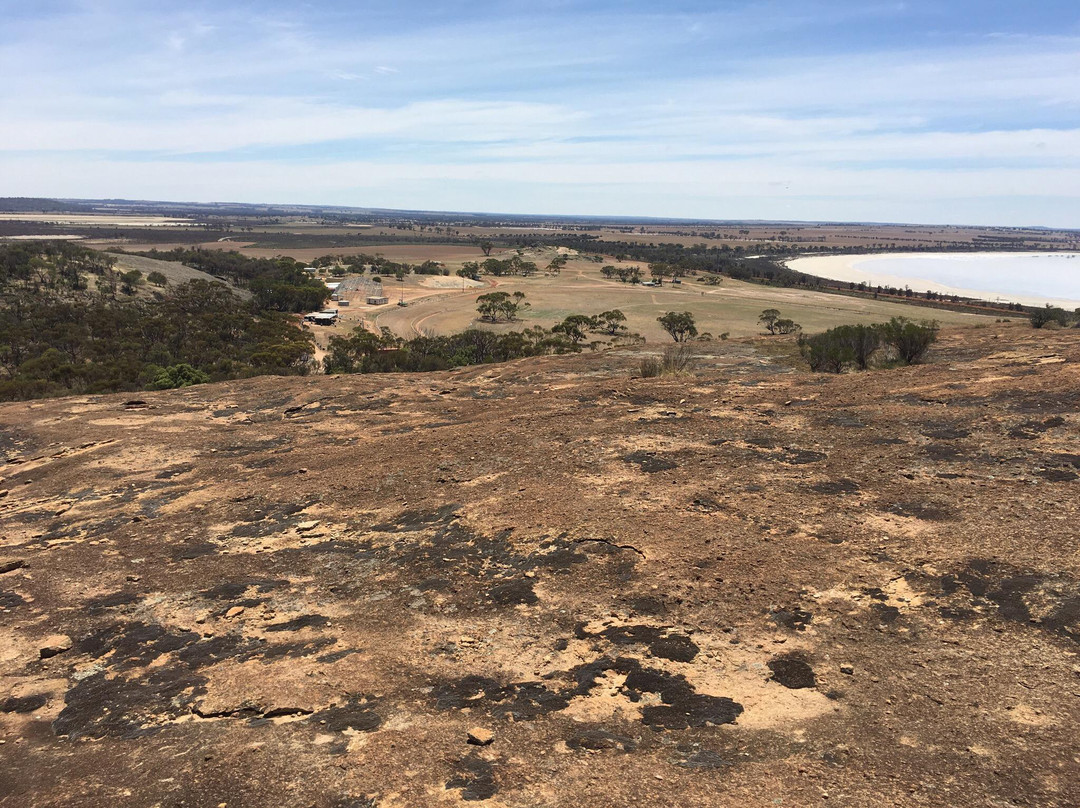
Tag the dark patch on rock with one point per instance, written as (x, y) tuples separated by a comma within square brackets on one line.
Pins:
[(799, 457), (133, 645), (845, 419), (841, 486), (885, 613), (357, 714), (596, 739), (297, 623), (195, 550), (649, 462), (926, 511), (100, 706), (661, 642), (682, 706), (1032, 429), (11, 566), (100, 604), (792, 672), (1058, 475), (648, 604), (707, 504), (234, 589), (475, 779), (9, 600), (412, 521), (522, 700), (513, 592), (945, 432), (795, 619), (174, 471), (943, 452), (24, 704)]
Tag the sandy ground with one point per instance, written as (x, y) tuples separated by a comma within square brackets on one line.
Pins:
[(860, 268)]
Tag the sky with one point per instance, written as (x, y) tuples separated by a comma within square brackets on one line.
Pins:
[(933, 111)]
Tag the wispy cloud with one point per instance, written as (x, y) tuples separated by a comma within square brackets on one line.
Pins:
[(831, 110)]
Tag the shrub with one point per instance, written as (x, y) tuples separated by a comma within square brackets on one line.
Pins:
[(909, 340), (1040, 318), (157, 278), (182, 375), (650, 367), (676, 360), (862, 340), (827, 352)]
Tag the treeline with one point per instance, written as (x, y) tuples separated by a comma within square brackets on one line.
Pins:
[(278, 284), (67, 326), (365, 352)]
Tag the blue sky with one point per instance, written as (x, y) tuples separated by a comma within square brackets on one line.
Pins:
[(962, 111)]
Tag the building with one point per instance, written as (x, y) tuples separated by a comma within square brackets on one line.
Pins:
[(321, 317), (377, 300)]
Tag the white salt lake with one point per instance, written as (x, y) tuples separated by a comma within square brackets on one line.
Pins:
[(1029, 278)]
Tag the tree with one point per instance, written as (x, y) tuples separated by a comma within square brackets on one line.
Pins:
[(157, 278), (496, 306), (784, 326), (611, 322), (575, 327), (609, 271), (659, 271), (486, 247), (768, 319), (680, 325)]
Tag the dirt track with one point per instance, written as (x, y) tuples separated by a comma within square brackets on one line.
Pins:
[(752, 587)]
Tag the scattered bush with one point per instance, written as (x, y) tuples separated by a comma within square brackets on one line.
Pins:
[(676, 360)]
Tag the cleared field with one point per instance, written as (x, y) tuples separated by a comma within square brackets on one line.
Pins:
[(732, 307), (175, 273)]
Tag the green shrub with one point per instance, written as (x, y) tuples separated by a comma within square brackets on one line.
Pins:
[(909, 340), (1040, 318), (827, 352)]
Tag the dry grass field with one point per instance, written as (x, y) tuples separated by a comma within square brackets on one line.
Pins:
[(732, 307)]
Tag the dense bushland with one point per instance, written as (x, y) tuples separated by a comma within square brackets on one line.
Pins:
[(69, 323)]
